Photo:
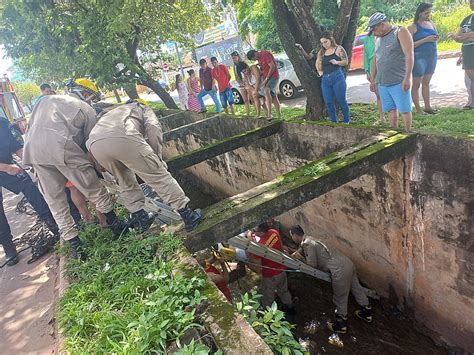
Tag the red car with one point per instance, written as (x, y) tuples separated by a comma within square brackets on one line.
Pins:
[(357, 61)]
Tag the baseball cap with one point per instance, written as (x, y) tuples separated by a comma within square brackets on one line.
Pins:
[(235, 54), (374, 20)]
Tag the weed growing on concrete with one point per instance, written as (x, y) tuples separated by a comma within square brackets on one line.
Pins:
[(316, 169), (125, 298), (270, 325)]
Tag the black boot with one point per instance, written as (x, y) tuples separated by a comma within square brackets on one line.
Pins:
[(141, 220), (116, 225), (191, 218), (11, 254), (77, 251), (290, 313), (339, 325), (52, 225), (365, 313)]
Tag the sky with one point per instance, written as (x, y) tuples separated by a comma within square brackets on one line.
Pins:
[(5, 63)]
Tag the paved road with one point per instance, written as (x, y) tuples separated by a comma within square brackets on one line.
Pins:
[(447, 88), (27, 294)]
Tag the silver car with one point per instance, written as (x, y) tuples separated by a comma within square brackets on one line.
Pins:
[(288, 84)]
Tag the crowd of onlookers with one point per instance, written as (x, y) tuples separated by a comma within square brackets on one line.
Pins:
[(398, 62), (255, 82)]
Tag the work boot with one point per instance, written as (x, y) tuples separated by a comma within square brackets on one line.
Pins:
[(52, 225), (191, 218), (11, 254), (339, 325), (141, 219), (77, 251), (365, 313), (290, 313), (116, 225)]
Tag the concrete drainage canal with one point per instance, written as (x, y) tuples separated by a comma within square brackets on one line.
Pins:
[(397, 205)]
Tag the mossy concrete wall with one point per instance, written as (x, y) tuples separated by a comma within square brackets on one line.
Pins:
[(259, 162), (408, 228), (405, 225)]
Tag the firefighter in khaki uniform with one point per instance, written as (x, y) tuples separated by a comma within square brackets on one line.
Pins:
[(55, 141), (128, 140), (343, 275)]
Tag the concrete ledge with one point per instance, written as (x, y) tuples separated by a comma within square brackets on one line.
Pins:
[(230, 331), (183, 131), (226, 145), (237, 213)]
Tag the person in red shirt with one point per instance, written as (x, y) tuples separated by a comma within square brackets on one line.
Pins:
[(219, 278), (221, 74), (273, 274), (270, 79)]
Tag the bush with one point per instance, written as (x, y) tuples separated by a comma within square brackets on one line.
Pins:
[(446, 19), (270, 325), (124, 299)]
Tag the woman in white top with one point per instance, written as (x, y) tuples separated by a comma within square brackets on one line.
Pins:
[(182, 92), (252, 79)]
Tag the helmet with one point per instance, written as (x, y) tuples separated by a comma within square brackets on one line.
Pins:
[(83, 84)]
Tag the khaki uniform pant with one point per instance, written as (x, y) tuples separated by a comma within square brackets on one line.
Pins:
[(52, 182), (123, 158), (345, 280), (277, 283)]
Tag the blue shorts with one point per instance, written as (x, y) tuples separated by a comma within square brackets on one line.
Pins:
[(271, 84), (226, 97), (393, 97), (425, 63)]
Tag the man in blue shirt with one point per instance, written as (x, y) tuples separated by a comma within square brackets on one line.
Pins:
[(16, 180)]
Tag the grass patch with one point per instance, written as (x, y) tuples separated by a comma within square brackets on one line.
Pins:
[(125, 298), (448, 120)]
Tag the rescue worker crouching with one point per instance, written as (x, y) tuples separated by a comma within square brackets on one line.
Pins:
[(58, 129), (343, 275), (221, 279), (128, 140), (274, 277)]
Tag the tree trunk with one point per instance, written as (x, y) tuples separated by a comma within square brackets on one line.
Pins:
[(300, 27), (162, 94), (117, 96), (131, 90), (348, 40)]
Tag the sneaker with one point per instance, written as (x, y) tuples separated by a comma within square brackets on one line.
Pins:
[(191, 218), (141, 220), (365, 313), (339, 325), (77, 251)]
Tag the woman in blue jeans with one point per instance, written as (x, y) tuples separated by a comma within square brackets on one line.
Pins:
[(330, 60)]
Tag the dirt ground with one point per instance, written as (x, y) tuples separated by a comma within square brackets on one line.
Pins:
[(28, 294)]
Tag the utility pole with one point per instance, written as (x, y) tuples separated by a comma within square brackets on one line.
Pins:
[(179, 59)]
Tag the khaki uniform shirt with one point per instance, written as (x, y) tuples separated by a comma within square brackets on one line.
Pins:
[(58, 127), (132, 121), (316, 254)]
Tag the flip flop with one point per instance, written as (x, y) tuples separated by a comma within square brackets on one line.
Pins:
[(431, 112)]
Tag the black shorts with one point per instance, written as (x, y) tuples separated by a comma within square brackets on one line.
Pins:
[(468, 57)]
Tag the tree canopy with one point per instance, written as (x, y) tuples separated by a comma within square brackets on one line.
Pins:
[(111, 41), (27, 92)]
